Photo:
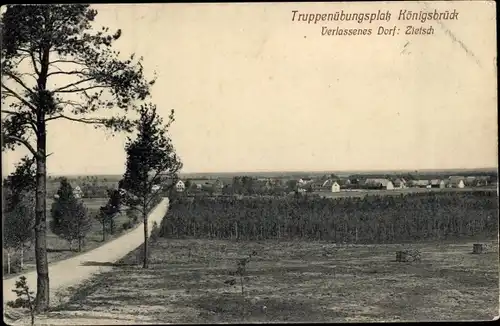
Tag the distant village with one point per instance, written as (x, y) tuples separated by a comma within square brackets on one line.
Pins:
[(329, 183), (246, 185)]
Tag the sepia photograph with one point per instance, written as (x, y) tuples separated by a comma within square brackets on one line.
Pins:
[(265, 162)]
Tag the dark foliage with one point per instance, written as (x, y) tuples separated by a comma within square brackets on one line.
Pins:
[(373, 219)]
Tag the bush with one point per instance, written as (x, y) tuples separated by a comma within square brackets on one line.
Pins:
[(155, 232), (127, 225), (25, 298)]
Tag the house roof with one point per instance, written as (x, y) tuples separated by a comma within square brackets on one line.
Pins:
[(399, 181), (456, 177), (342, 181), (328, 183), (436, 181), (203, 181), (383, 182), (317, 183)]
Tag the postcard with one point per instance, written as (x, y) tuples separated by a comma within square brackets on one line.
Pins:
[(175, 163)]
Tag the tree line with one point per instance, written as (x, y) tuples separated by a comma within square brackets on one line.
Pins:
[(372, 219)]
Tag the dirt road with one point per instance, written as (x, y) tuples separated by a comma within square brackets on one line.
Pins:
[(72, 271)]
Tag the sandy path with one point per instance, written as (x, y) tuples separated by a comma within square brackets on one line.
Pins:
[(72, 271)]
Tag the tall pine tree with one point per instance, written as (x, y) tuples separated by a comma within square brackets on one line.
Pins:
[(151, 159), (58, 65)]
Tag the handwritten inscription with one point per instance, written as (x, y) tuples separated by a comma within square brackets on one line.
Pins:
[(415, 22)]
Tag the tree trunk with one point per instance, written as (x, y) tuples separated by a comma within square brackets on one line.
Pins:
[(79, 245), (103, 230), (8, 262), (22, 258), (478, 248), (111, 225), (42, 266), (146, 258)]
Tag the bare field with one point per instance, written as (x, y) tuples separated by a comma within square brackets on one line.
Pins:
[(289, 282), (395, 192)]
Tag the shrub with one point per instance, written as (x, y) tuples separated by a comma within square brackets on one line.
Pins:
[(155, 231), (127, 225), (25, 298)]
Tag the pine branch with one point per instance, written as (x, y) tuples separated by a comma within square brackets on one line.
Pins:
[(33, 62), (83, 120), (24, 115), (67, 61), (18, 80), (76, 90), (62, 72), (19, 97), (63, 89), (25, 143)]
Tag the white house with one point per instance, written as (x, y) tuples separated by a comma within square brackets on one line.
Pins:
[(379, 184), (421, 183), (335, 187), (437, 183), (456, 182), (180, 186), (155, 188), (304, 181), (77, 192)]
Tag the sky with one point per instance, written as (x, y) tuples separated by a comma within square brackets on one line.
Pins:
[(255, 91)]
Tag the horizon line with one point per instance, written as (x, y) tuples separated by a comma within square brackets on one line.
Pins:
[(306, 171)]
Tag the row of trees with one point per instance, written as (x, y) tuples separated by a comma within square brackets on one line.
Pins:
[(372, 219), (57, 66), (71, 219), (18, 210)]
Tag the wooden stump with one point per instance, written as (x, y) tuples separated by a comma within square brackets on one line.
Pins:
[(400, 256), (479, 248), (408, 255)]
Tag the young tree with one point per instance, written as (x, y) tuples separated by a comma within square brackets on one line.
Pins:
[(55, 67), (20, 181), (150, 158), (101, 216), (70, 217), (19, 208), (108, 212), (18, 223)]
